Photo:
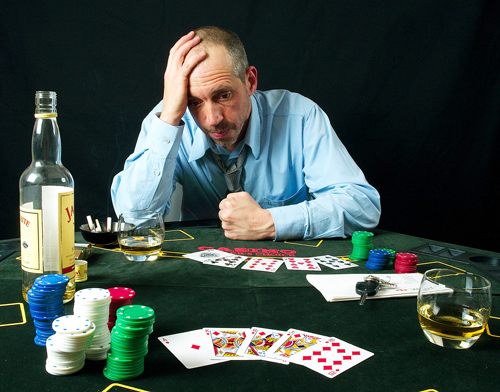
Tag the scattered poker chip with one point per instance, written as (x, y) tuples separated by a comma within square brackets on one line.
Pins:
[(45, 299)]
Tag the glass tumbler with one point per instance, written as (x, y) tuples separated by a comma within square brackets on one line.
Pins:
[(141, 234), (453, 307)]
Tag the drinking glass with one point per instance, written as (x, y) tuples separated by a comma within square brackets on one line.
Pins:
[(141, 234), (453, 307)]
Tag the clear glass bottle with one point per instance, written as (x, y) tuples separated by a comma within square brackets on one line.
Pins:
[(46, 191)]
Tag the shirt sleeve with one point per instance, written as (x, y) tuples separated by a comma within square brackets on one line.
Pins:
[(341, 201), (147, 180)]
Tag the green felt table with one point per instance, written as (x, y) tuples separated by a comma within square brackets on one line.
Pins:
[(187, 295)]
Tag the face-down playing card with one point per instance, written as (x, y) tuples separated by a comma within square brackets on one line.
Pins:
[(258, 342), (190, 348)]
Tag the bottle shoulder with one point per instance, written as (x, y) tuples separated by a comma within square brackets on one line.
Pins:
[(46, 173)]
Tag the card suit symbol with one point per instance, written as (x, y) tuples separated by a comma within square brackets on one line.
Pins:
[(356, 353), (316, 352), (297, 335), (326, 348), (262, 333), (347, 357), (216, 333), (320, 360), (329, 367), (335, 344), (252, 266), (337, 362), (195, 346), (306, 358), (341, 351)]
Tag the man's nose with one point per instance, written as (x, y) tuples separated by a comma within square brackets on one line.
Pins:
[(213, 114)]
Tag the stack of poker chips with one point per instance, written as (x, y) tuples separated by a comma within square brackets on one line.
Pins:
[(361, 245), (45, 300), (393, 257), (120, 296), (405, 263), (93, 304), (129, 342), (378, 259), (66, 348)]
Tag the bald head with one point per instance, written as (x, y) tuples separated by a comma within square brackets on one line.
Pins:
[(212, 36)]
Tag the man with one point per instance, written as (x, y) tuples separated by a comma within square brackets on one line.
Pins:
[(297, 179)]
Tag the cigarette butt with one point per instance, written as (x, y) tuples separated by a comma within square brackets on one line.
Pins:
[(98, 226), (108, 224), (91, 225)]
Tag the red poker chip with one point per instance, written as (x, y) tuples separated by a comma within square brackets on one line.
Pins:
[(121, 293), (406, 256), (405, 270), (406, 262)]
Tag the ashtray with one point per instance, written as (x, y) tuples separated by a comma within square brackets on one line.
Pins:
[(102, 237)]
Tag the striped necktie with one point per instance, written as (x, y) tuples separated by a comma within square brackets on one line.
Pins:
[(232, 175)]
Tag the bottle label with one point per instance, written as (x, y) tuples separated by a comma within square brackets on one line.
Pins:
[(49, 244), (31, 240), (67, 232)]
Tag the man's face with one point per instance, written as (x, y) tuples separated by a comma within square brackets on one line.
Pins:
[(218, 100)]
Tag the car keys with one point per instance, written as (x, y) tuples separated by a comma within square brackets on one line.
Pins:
[(367, 288)]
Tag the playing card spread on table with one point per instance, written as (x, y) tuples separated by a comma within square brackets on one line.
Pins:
[(301, 263), (190, 348), (293, 342), (331, 357), (258, 342), (259, 264), (334, 262), (206, 255), (231, 261), (224, 342)]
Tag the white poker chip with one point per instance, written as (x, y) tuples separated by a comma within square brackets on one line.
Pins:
[(93, 295), (72, 324), (58, 370)]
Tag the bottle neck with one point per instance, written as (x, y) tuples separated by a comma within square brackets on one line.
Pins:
[(46, 142)]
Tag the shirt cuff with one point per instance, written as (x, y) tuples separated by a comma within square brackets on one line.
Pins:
[(289, 222), (161, 136)]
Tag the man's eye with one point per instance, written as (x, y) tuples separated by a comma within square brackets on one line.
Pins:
[(193, 104), (225, 96)]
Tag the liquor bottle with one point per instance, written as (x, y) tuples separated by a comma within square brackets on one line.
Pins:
[(46, 190)]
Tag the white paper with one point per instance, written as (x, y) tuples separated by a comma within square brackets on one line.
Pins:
[(342, 287)]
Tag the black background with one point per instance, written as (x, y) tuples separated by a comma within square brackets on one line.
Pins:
[(411, 87)]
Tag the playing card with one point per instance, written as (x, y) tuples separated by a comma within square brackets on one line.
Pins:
[(331, 357), (231, 261), (223, 343), (293, 342), (208, 254), (334, 262), (190, 348), (301, 263), (259, 264), (258, 342)]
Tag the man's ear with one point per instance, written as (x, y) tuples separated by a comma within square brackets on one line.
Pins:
[(251, 79)]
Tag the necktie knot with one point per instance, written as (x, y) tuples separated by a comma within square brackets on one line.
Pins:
[(232, 175)]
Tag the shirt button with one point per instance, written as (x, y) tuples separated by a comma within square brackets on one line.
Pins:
[(157, 172), (166, 140)]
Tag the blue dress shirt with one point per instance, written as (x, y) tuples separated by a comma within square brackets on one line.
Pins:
[(296, 167)]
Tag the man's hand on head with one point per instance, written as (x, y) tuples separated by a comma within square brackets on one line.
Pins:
[(181, 63), (244, 219)]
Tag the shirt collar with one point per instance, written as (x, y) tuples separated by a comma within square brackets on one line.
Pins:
[(201, 142)]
